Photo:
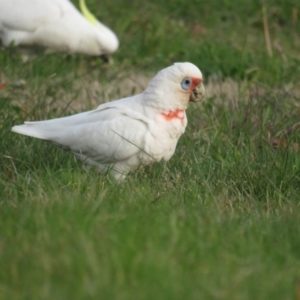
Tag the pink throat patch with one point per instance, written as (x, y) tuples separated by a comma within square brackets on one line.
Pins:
[(176, 114)]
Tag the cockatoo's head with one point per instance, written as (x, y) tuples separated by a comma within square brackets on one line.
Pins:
[(174, 87), (107, 41)]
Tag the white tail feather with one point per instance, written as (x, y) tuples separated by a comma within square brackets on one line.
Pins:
[(32, 129)]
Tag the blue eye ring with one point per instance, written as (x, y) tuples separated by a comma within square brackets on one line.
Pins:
[(186, 83)]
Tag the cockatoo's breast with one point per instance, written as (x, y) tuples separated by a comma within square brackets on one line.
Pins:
[(164, 130)]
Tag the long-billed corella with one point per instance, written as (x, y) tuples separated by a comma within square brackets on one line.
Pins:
[(55, 25), (124, 134)]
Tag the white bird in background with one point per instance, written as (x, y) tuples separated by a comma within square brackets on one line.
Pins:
[(55, 25), (121, 135)]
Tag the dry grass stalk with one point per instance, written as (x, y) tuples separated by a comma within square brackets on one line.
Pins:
[(266, 31)]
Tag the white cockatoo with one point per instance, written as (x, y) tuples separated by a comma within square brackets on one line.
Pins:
[(121, 135), (55, 25)]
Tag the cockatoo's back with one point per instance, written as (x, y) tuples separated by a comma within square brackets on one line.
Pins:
[(126, 133)]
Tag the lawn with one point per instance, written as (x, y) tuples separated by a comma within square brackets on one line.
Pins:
[(220, 220)]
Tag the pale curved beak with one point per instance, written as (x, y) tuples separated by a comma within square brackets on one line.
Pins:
[(198, 93)]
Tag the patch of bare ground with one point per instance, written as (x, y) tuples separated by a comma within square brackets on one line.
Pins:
[(87, 92)]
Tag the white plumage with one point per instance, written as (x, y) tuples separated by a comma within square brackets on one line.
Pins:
[(121, 135), (55, 25)]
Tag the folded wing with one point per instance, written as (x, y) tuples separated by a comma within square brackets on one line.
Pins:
[(107, 135)]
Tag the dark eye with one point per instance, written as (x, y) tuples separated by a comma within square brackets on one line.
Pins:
[(186, 83)]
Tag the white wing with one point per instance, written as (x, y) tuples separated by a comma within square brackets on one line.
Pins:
[(24, 15), (107, 135), (20, 18)]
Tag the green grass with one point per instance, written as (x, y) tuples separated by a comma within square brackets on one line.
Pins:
[(220, 220)]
